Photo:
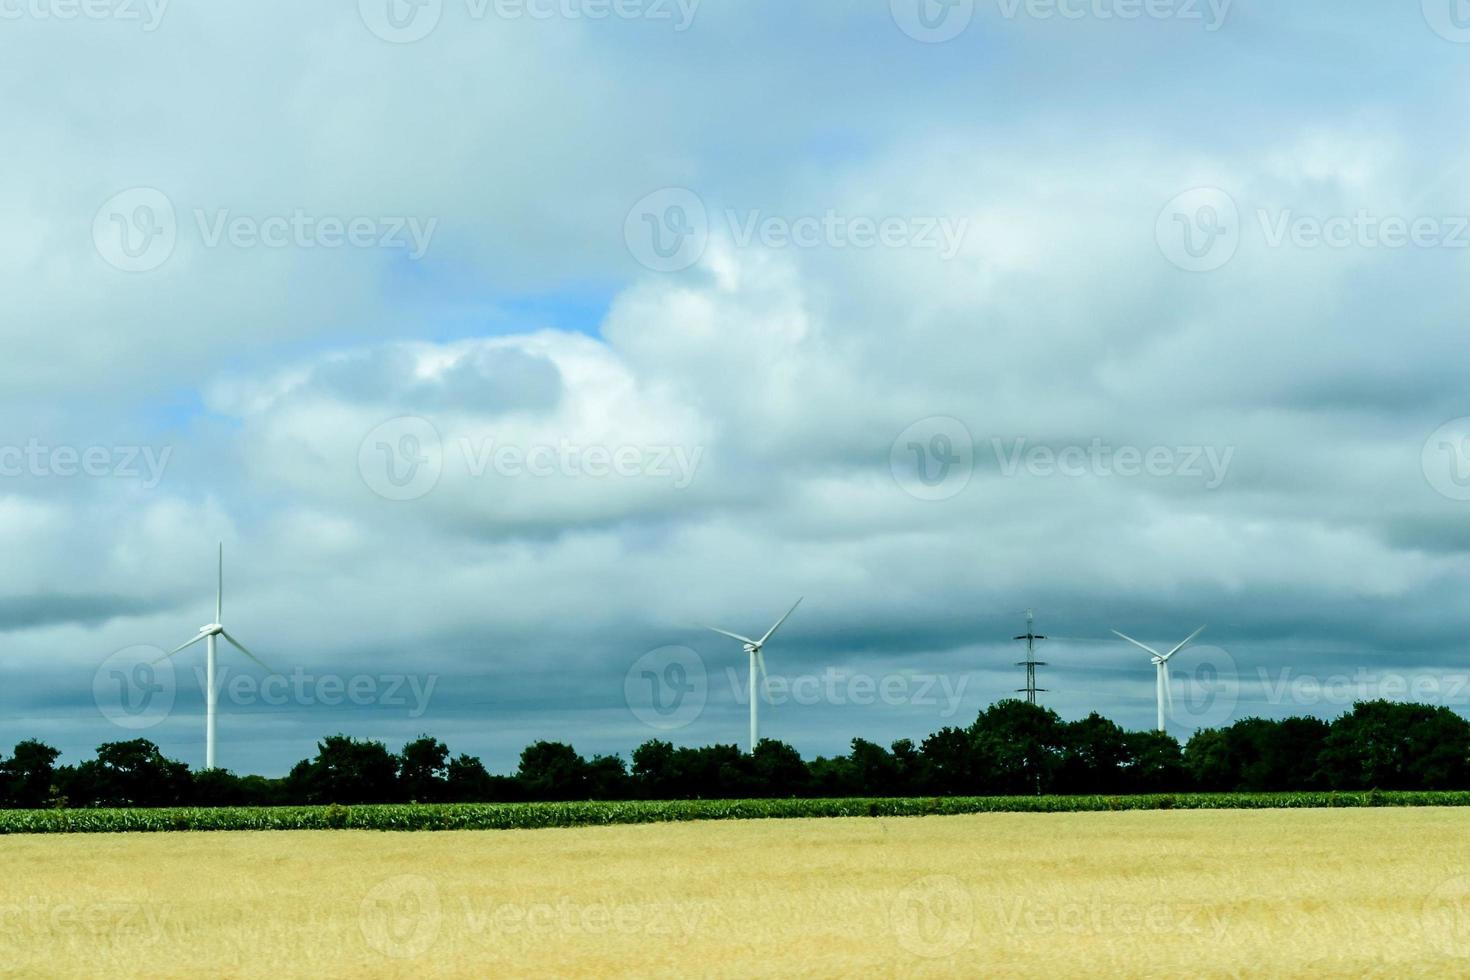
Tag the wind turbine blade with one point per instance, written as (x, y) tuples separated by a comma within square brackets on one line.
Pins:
[(1168, 691), (779, 622), (1141, 646), (1185, 643), (760, 663), (733, 636), (181, 646), (241, 647), (219, 595)]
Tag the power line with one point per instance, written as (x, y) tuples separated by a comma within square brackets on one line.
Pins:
[(1030, 663)]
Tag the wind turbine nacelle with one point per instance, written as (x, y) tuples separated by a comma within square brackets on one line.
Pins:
[(212, 629)]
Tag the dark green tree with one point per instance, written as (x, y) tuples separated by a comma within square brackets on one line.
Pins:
[(777, 770), (347, 770), (28, 777), (552, 771), (423, 770)]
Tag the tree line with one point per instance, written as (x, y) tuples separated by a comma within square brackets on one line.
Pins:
[(1011, 748)]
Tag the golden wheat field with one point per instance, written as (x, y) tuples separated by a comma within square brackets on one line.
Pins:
[(1157, 894)]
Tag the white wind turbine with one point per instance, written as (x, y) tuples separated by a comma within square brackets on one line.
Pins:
[(208, 634), (757, 662), (1163, 690)]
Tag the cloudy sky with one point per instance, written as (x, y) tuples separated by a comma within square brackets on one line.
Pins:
[(506, 344)]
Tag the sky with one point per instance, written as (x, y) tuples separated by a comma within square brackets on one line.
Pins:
[(507, 344)]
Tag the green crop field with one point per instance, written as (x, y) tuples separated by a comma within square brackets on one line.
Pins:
[(525, 816)]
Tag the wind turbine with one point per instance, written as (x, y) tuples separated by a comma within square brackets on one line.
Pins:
[(208, 634), (1163, 690), (757, 662)]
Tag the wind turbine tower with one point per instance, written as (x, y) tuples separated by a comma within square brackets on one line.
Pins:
[(1030, 663), (208, 633), (754, 649)]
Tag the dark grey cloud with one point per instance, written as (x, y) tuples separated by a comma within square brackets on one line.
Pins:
[(1331, 545)]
